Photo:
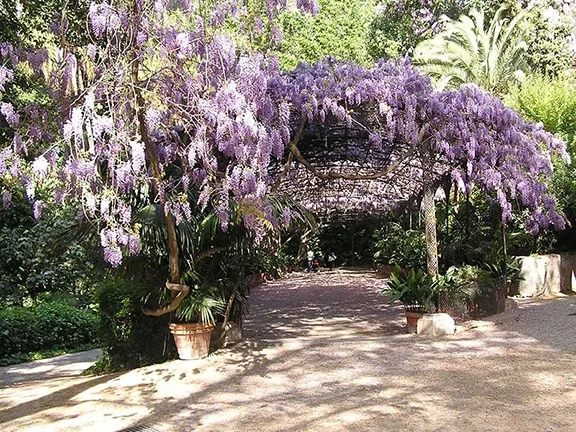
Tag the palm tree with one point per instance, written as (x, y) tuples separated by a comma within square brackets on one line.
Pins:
[(464, 52)]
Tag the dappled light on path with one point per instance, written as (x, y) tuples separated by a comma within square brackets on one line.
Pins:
[(324, 352), (326, 305)]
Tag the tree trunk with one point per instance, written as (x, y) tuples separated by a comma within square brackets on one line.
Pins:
[(505, 258), (229, 310), (178, 291)]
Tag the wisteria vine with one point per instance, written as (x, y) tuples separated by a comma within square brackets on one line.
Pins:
[(162, 85), (467, 133)]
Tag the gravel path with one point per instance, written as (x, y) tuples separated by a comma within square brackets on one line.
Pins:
[(325, 353), (66, 366)]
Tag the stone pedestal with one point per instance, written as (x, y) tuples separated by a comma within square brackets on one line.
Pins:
[(438, 324)]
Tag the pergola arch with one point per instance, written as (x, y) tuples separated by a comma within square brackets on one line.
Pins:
[(368, 140), (331, 167)]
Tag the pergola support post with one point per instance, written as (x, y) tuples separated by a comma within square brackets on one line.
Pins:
[(430, 227)]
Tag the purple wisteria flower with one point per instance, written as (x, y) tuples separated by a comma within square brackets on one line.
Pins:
[(113, 256), (7, 110), (38, 207), (40, 166), (6, 199), (134, 245), (5, 76)]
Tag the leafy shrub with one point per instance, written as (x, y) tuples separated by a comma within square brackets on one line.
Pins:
[(45, 326), (397, 246), (129, 338), (41, 257), (414, 288)]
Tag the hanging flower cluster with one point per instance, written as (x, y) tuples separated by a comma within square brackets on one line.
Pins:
[(160, 85)]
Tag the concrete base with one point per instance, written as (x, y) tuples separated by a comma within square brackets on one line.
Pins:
[(438, 324)]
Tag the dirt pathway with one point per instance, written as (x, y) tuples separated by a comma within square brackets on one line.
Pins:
[(325, 353)]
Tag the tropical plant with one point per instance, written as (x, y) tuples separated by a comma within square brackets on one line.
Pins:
[(415, 289), (129, 338), (468, 288), (468, 52), (505, 270)]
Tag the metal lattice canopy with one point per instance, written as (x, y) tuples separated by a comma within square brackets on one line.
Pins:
[(335, 171)]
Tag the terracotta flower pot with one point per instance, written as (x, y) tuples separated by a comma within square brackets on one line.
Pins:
[(412, 320), (192, 340)]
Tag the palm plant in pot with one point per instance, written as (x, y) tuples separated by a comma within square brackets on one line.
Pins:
[(194, 320), (416, 290)]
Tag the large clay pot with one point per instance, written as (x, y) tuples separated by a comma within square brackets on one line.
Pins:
[(412, 320), (192, 340)]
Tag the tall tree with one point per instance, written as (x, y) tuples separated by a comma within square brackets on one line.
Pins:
[(155, 96), (551, 37), (309, 38)]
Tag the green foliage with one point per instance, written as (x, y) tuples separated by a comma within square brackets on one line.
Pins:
[(38, 257), (405, 248), (552, 101), (474, 292), (309, 38), (29, 21), (129, 339), (415, 289), (401, 25), (45, 326), (469, 50), (204, 303), (468, 287), (350, 241), (549, 50), (507, 271)]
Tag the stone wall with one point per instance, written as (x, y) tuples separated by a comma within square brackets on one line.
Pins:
[(546, 275)]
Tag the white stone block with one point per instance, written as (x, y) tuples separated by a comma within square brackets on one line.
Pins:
[(438, 324), (542, 275)]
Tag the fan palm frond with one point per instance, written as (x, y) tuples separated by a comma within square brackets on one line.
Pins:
[(467, 52)]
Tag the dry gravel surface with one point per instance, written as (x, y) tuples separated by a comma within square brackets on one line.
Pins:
[(324, 352)]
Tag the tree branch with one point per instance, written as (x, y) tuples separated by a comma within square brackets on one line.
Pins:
[(182, 291)]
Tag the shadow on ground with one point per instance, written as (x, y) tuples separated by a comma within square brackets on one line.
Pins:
[(325, 352)]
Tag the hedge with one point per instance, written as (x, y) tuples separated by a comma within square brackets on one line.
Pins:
[(45, 326)]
